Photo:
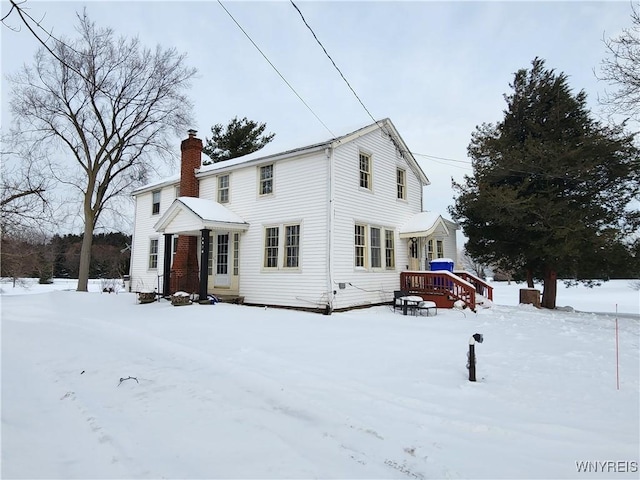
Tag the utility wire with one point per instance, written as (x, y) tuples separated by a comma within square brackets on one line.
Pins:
[(334, 63), (277, 71)]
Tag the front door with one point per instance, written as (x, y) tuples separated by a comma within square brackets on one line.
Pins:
[(222, 260)]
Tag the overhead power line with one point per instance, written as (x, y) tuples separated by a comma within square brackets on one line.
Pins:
[(277, 71), (334, 63)]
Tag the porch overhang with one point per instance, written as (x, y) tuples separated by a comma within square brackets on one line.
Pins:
[(190, 215), (425, 224)]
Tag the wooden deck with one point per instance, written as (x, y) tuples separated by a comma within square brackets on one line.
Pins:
[(446, 288)]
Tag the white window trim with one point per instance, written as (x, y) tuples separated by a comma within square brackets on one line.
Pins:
[(368, 248), (281, 264), (157, 254), (228, 175), (370, 155), (404, 186), (273, 177)]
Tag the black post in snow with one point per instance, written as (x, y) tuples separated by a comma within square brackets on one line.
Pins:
[(472, 355)]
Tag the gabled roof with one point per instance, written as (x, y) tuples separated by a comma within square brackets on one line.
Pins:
[(424, 224), (258, 157), (196, 214)]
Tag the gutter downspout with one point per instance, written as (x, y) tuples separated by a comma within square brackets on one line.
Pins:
[(330, 226)]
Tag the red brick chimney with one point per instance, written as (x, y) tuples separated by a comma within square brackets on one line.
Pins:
[(191, 149), (185, 270)]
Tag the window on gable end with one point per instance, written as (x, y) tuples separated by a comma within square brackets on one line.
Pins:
[(365, 171), (401, 180)]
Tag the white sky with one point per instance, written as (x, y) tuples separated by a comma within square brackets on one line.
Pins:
[(437, 69)]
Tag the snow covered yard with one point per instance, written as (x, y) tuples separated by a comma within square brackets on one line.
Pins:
[(229, 391)]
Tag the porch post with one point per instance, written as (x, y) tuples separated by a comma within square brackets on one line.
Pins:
[(204, 262), (166, 266)]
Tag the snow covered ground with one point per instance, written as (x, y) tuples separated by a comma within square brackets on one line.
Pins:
[(229, 391)]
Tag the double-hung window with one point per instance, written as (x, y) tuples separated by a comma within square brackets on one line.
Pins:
[(440, 248), (389, 250), (401, 181), (282, 253), (266, 180), (271, 238), (376, 247), (223, 189), (429, 250), (155, 209), (365, 171), (360, 241), (153, 254), (292, 246)]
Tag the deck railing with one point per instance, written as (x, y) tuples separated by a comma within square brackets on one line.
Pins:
[(440, 283), (482, 287)]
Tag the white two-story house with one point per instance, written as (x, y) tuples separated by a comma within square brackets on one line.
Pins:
[(328, 226)]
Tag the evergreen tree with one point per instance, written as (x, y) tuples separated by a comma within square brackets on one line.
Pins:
[(238, 138), (551, 188)]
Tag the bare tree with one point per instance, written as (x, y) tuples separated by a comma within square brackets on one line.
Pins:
[(107, 106), (23, 186), (621, 69), (472, 265)]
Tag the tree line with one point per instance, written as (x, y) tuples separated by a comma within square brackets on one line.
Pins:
[(34, 256)]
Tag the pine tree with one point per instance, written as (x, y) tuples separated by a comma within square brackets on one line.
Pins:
[(551, 188), (238, 138)]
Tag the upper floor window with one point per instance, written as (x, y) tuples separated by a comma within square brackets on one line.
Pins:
[(223, 189), (155, 209), (153, 253), (365, 171), (266, 180), (401, 180)]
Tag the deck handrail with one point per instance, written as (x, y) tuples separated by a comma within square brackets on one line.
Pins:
[(439, 282), (482, 287)]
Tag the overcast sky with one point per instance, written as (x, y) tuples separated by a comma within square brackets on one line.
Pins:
[(436, 69)]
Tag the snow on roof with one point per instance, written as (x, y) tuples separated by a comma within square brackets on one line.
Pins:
[(210, 210), (420, 222)]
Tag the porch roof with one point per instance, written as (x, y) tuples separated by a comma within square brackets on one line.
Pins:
[(189, 215), (424, 224)]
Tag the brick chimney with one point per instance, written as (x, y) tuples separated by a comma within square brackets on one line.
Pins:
[(191, 149), (185, 270)]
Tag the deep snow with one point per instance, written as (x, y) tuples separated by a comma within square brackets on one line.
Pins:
[(229, 391)]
